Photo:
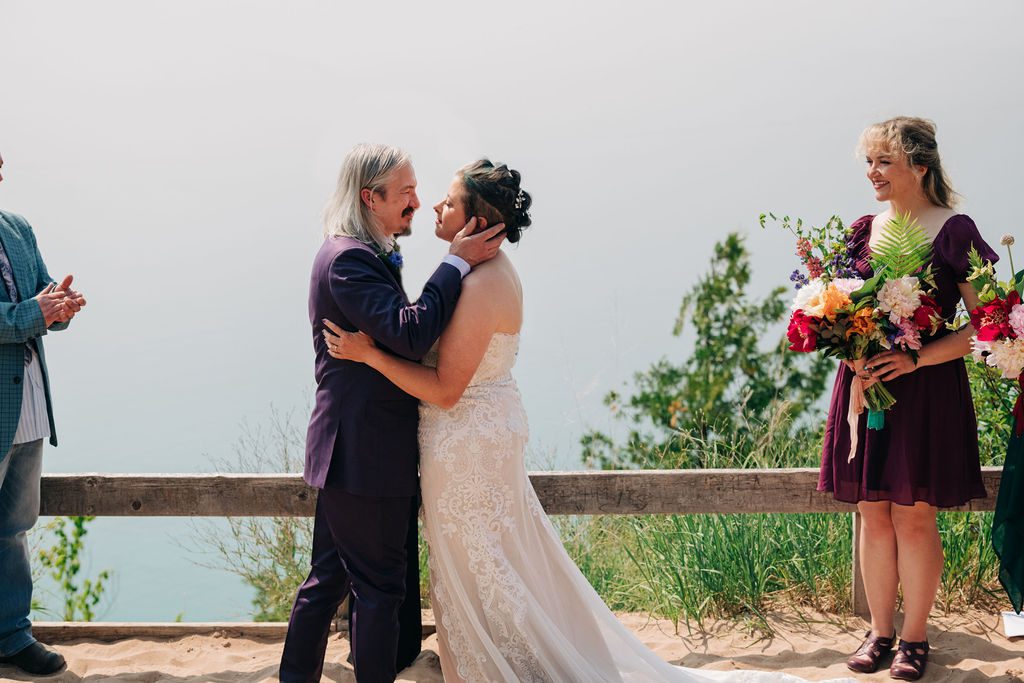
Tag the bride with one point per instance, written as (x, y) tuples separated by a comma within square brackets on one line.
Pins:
[(510, 604)]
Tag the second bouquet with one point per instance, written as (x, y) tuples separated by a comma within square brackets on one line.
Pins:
[(852, 315)]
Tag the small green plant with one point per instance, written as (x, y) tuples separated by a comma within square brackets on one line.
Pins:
[(270, 554), (37, 536), (424, 563), (968, 577), (993, 404), (738, 375), (64, 560)]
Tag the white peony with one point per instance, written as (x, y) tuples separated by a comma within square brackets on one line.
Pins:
[(1017, 320), (900, 297), (808, 298), (1008, 356), (979, 349), (848, 285)]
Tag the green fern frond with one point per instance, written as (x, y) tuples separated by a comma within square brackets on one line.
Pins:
[(903, 249)]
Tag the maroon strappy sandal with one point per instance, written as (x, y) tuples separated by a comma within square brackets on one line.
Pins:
[(865, 659), (910, 661)]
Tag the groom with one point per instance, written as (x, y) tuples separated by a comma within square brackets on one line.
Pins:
[(361, 446)]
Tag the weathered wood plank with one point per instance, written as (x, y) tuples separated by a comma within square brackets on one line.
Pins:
[(683, 492), (64, 631), (182, 495), (577, 493)]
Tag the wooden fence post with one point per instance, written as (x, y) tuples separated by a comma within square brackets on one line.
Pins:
[(860, 597)]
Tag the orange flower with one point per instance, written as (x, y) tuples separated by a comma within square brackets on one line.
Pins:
[(832, 299), (862, 323), (674, 409)]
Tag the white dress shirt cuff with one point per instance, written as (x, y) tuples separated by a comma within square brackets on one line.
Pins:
[(458, 262)]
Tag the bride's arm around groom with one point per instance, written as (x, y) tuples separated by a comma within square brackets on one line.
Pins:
[(361, 448)]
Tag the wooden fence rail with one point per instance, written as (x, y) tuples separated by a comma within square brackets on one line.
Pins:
[(633, 492)]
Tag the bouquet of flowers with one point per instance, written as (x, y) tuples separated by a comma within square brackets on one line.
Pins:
[(998, 319), (998, 341), (841, 315)]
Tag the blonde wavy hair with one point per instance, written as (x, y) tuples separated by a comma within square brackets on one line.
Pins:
[(913, 139)]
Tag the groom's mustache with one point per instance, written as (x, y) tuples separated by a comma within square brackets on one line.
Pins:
[(408, 212)]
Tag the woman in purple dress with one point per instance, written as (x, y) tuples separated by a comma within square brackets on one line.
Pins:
[(926, 456)]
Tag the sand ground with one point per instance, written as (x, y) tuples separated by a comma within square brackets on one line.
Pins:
[(965, 647)]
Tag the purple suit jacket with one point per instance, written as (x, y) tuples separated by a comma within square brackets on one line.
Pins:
[(363, 430)]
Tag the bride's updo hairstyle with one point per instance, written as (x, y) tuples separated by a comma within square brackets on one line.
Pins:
[(913, 140), (493, 192)]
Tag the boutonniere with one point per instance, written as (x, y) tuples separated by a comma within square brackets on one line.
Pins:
[(392, 254)]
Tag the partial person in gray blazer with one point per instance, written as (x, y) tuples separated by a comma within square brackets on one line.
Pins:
[(31, 304)]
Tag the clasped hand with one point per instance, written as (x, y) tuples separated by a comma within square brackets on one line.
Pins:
[(347, 345), (885, 366), (58, 302)]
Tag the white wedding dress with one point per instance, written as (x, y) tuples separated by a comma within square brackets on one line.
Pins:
[(510, 603)]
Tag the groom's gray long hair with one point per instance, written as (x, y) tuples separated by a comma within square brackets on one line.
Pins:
[(368, 167)]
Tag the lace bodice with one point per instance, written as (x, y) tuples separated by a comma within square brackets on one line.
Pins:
[(496, 366)]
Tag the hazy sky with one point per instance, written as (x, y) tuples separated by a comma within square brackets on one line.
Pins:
[(175, 157)]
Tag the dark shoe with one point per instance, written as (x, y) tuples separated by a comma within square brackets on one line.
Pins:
[(910, 661), (865, 659), (36, 659)]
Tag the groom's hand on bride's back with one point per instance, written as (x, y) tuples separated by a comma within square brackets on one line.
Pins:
[(473, 246)]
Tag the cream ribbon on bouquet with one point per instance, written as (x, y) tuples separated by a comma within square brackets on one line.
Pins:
[(856, 405)]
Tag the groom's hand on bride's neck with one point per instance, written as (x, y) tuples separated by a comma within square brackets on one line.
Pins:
[(476, 242)]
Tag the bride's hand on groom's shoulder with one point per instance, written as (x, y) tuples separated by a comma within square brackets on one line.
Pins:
[(476, 247), (344, 345)]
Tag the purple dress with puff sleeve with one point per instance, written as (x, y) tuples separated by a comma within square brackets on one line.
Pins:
[(928, 449)]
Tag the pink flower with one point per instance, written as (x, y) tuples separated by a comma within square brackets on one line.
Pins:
[(814, 267), (803, 248), (1017, 320), (848, 285), (899, 297), (910, 336), (1008, 356)]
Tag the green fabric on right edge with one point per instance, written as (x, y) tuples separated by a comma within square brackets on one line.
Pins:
[(1008, 523)]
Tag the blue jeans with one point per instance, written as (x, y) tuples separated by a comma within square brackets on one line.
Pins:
[(20, 473)]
